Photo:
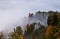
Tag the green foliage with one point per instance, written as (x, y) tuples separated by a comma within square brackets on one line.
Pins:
[(16, 34), (18, 30), (12, 36), (58, 25)]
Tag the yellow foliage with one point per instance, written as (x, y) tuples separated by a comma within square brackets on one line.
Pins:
[(21, 37)]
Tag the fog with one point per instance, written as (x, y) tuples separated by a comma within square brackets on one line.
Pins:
[(13, 12), (23, 21)]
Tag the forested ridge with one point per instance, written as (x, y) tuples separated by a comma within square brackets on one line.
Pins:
[(36, 30)]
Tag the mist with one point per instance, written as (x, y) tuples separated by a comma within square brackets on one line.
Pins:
[(11, 11), (15, 12)]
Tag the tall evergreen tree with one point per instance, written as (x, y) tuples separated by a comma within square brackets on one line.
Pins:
[(49, 22), (52, 19), (55, 19)]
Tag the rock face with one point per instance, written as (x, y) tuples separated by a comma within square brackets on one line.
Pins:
[(39, 17)]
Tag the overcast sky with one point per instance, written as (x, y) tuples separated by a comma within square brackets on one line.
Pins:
[(13, 10)]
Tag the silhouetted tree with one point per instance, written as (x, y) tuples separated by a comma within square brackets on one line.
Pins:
[(32, 27), (55, 20), (52, 20), (29, 28), (49, 21)]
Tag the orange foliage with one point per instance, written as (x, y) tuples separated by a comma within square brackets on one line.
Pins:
[(48, 30), (27, 27)]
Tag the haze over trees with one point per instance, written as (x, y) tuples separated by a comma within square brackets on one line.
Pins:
[(39, 27)]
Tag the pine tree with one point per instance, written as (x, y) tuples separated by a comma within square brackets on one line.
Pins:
[(52, 20), (55, 20), (49, 21)]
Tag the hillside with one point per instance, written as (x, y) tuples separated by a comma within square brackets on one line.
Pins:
[(36, 34), (53, 29), (41, 25)]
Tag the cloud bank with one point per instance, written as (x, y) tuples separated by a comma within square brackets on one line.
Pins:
[(11, 11)]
